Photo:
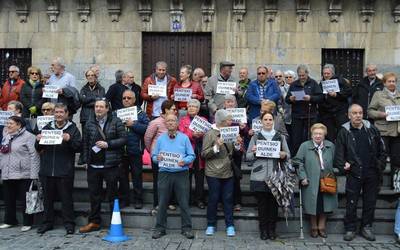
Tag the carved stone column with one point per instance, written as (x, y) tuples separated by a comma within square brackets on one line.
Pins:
[(22, 10), (335, 10), (367, 10), (270, 9), (208, 10), (302, 10), (53, 10), (83, 10), (176, 15), (144, 10), (396, 11), (114, 9), (239, 9)]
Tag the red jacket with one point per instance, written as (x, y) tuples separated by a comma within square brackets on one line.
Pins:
[(196, 90), (171, 81), (10, 93)]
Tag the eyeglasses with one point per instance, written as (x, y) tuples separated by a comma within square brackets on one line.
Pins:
[(288, 77), (46, 110), (278, 76), (34, 73), (126, 98), (12, 71), (261, 73), (90, 75)]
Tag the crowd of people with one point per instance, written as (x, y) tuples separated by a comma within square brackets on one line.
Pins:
[(182, 124)]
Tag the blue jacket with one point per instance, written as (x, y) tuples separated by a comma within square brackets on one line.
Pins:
[(135, 144), (271, 92)]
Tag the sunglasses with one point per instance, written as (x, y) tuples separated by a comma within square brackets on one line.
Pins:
[(261, 73), (288, 77), (34, 73), (12, 71), (90, 75), (277, 76), (126, 98), (46, 110)]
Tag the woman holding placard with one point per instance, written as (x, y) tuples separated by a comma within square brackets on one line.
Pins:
[(181, 91), (31, 93), (315, 163), (263, 167), (384, 109)]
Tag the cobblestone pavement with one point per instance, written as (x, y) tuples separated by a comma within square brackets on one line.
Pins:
[(141, 239)]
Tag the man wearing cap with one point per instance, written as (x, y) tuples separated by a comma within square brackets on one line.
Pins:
[(11, 88), (215, 100)]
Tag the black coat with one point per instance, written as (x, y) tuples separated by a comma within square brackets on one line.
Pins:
[(88, 98), (59, 160), (115, 91), (345, 150), (340, 103), (116, 138), (31, 96), (363, 92)]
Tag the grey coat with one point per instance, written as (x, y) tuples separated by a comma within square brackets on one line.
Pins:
[(22, 162), (215, 101), (309, 168)]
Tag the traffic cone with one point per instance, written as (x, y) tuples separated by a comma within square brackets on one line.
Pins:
[(116, 232)]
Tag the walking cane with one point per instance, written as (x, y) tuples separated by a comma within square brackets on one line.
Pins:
[(301, 215)]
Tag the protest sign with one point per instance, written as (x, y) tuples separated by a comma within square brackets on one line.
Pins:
[(50, 91), (393, 113), (256, 126), (330, 86), (51, 137), (182, 94), (229, 134), (127, 113), (226, 88), (160, 90), (199, 125), (299, 95), (4, 115), (238, 115), (43, 120), (169, 160), (268, 149)]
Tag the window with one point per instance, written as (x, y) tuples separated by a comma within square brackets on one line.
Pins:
[(22, 58)]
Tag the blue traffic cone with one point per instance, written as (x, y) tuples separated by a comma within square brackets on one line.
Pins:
[(116, 232)]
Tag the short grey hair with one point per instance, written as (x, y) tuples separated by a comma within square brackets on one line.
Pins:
[(222, 115), (262, 66), (290, 73), (194, 102), (127, 73), (302, 67), (371, 66), (13, 67), (130, 91), (118, 75), (330, 67), (198, 70), (352, 106), (161, 64), (60, 61)]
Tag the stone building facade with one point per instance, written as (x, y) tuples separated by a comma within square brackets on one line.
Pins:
[(280, 33)]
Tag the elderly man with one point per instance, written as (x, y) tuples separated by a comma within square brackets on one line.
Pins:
[(103, 144), (359, 153), (174, 153), (159, 77), (57, 165), (364, 91), (132, 158), (244, 82), (198, 74), (216, 100), (11, 89)]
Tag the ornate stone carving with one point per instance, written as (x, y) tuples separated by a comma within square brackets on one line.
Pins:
[(367, 10), (176, 14), (396, 11), (239, 9), (53, 10), (144, 10), (22, 10), (83, 10), (270, 10), (302, 10), (208, 10), (114, 9), (335, 10)]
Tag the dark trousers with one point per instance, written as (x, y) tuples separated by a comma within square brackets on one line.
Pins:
[(301, 131), (131, 164), (54, 188), (290, 139), (237, 191), (333, 122), (14, 190), (220, 188), (169, 183), (392, 145), (369, 186), (198, 195), (267, 210), (154, 168), (95, 177)]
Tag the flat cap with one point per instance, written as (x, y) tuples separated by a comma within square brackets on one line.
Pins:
[(226, 63)]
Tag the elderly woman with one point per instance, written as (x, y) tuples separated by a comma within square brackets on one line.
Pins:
[(315, 161), (17, 108), (154, 130), (19, 164), (219, 174), (389, 129), (262, 169), (31, 93), (196, 138)]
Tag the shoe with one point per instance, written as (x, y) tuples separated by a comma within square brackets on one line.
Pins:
[(272, 234), (89, 228), (210, 230), (398, 238), (44, 228), (230, 231), (70, 230), (201, 205), (314, 233), (188, 234), (153, 212), (349, 236), (220, 207), (158, 234), (138, 205), (264, 235), (26, 228), (322, 233), (172, 207), (4, 226), (367, 233), (237, 208)]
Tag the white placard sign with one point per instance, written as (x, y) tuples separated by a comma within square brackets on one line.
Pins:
[(330, 86), (299, 95), (43, 120), (268, 149), (127, 113), (199, 125), (238, 115), (50, 91), (226, 88), (160, 90), (229, 134), (393, 113), (4, 115), (169, 160), (256, 126), (182, 94), (51, 137)]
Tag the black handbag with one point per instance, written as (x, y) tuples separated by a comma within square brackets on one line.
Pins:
[(237, 172)]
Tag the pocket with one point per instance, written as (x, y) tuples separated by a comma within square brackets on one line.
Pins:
[(257, 169)]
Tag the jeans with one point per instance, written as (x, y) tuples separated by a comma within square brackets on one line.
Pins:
[(237, 191), (220, 188), (134, 165), (397, 220), (15, 190), (169, 183), (198, 180)]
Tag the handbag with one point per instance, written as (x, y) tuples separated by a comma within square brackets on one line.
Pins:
[(328, 184), (237, 172), (34, 199)]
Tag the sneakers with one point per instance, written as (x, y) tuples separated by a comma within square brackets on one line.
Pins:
[(25, 228), (349, 236), (237, 208), (230, 231), (172, 207), (158, 234), (188, 234), (367, 233), (210, 231), (5, 226)]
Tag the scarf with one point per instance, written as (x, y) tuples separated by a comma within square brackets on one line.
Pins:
[(7, 139), (318, 149), (33, 84), (268, 135)]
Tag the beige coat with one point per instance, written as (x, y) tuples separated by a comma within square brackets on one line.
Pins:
[(379, 101)]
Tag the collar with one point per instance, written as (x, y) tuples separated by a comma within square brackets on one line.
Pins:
[(102, 120)]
